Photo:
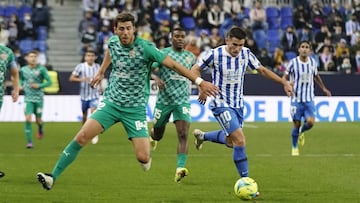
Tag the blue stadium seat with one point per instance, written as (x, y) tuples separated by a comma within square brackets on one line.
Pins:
[(285, 22), (26, 45), (24, 9), (2, 11), (273, 37), (42, 33), (259, 37), (9, 10), (290, 55), (41, 45), (286, 11), (188, 23), (272, 11)]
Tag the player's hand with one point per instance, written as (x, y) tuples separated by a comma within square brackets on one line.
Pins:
[(208, 89), (160, 83), (34, 85), (96, 80), (288, 88), (202, 98), (14, 95), (327, 92)]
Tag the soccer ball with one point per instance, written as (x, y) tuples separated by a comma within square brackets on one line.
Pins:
[(246, 188)]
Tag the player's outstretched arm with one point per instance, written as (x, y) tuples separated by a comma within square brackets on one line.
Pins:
[(207, 88)]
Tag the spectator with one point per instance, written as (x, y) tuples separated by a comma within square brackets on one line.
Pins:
[(357, 61), (86, 21), (162, 14), (109, 12), (90, 36), (265, 59), (4, 36), (40, 15), (351, 27), (215, 16), (26, 28), (258, 17), (230, 7), (342, 51), (338, 34), (289, 40), (215, 38), (192, 46), (322, 34), (345, 66), (251, 44), (301, 18), (278, 58), (317, 16), (305, 34), (200, 15), (90, 5), (188, 7), (327, 60)]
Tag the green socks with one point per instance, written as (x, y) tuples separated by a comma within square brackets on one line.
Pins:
[(28, 132), (67, 157), (181, 160)]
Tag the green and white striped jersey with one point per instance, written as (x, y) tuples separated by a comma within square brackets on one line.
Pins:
[(38, 75)]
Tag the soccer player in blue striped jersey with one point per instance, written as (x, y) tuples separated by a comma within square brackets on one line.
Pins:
[(83, 74), (228, 64), (8, 64), (125, 97), (302, 71)]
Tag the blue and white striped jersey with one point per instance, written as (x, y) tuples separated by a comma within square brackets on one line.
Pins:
[(302, 73), (84, 70), (228, 74)]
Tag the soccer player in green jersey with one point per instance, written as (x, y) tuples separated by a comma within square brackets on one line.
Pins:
[(33, 78), (8, 63), (173, 98), (125, 97)]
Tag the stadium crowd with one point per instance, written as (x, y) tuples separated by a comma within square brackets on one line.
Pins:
[(273, 30)]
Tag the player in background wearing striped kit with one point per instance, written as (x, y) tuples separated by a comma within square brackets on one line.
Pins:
[(8, 63), (173, 99), (228, 64), (83, 74), (33, 78), (302, 71)]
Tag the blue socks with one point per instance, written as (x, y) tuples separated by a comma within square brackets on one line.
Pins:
[(240, 160), (217, 136), (294, 136)]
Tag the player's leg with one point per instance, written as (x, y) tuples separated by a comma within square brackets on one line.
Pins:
[(84, 110), (29, 110), (100, 121), (39, 122), (135, 124), (161, 118), (92, 106), (309, 114)]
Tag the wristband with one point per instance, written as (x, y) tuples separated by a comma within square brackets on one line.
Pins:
[(198, 80)]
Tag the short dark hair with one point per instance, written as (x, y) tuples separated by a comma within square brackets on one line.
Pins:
[(236, 32), (124, 17), (305, 41)]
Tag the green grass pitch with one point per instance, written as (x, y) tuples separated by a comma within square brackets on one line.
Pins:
[(327, 169)]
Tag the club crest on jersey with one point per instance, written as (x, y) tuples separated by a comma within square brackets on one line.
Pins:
[(132, 54), (4, 56)]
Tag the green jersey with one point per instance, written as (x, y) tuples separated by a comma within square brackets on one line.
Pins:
[(176, 86), (37, 75), (7, 61), (129, 77)]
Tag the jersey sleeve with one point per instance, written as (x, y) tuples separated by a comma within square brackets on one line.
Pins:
[(206, 60), (254, 62), (77, 70), (153, 53)]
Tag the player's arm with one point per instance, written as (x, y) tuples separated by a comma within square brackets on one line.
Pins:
[(47, 78), (103, 67), (15, 81), (206, 87), (272, 76), (319, 81)]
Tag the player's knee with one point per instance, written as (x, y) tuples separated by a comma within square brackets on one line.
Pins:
[(82, 138), (143, 157)]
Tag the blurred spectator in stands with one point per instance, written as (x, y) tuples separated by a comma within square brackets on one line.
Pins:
[(188, 7), (289, 40), (279, 59), (129, 7), (215, 16), (317, 17), (215, 38), (90, 36), (41, 57), (174, 3), (147, 13), (4, 36), (91, 5), (334, 11), (305, 34), (345, 66), (351, 27), (265, 59), (251, 44), (162, 43), (144, 30), (327, 60), (349, 10), (322, 34), (103, 36), (40, 15), (109, 12), (86, 21), (203, 40), (326, 43), (335, 21), (230, 7), (13, 26), (258, 16), (200, 15), (20, 59), (357, 61), (162, 14), (338, 34), (354, 48), (26, 28), (192, 46), (342, 51), (161, 32), (229, 22), (301, 18)]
